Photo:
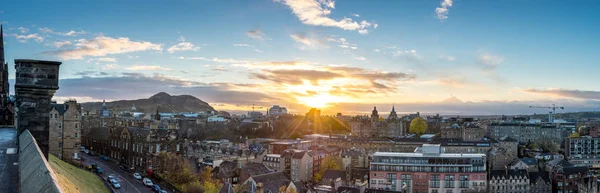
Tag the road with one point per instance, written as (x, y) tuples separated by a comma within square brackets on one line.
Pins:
[(128, 183)]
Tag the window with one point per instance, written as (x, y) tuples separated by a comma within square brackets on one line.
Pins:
[(76, 126), (434, 181), (76, 134)]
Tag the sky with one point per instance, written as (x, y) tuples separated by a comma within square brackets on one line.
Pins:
[(428, 56)]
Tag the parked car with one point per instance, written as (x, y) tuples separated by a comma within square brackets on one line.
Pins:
[(115, 184), (86, 151), (137, 176), (147, 182), (163, 191), (99, 170), (156, 188), (104, 158), (110, 178)]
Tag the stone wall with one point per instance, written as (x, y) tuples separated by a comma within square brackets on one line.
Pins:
[(36, 175), (36, 82)]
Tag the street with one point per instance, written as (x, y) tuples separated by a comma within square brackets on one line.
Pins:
[(128, 183)]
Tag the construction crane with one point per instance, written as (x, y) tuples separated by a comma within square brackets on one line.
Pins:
[(551, 114)]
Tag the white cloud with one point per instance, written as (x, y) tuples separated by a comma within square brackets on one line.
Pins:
[(489, 61), (104, 59), (24, 38), (376, 50), (69, 33), (302, 39), (356, 15), (451, 58), (442, 12), (132, 57), (316, 12), (183, 46), (147, 68), (102, 46), (61, 44), (406, 52), (247, 45), (257, 34), (110, 66), (23, 30), (360, 58), (218, 60)]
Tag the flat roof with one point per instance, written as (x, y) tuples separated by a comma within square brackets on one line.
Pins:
[(441, 155), (37, 61)]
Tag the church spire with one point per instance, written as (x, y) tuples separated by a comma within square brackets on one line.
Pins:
[(1, 45)]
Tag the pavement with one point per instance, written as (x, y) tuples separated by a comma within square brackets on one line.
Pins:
[(9, 160), (128, 183)]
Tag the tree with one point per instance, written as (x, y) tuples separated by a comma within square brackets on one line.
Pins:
[(284, 189), (418, 126), (332, 163), (574, 135)]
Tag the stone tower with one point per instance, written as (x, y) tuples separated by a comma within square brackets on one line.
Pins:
[(4, 85), (36, 82)]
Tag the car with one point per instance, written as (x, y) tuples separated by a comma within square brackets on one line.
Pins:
[(115, 184), (86, 151), (163, 191), (137, 176), (147, 182), (110, 178), (99, 170), (156, 188)]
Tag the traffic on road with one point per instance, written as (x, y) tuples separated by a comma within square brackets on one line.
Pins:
[(120, 179)]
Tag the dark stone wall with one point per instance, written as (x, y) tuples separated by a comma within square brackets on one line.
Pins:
[(36, 82)]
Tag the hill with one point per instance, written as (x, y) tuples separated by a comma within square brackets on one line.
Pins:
[(163, 101)]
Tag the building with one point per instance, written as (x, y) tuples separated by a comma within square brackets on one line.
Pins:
[(376, 126), (65, 130), (472, 132), (216, 118), (529, 164), (272, 161), (540, 182), (525, 132), (268, 183), (35, 84), (589, 185), (276, 110), (298, 164), (565, 175), (280, 146), (6, 105), (583, 151), (505, 153), (428, 169), (509, 181), (452, 132), (354, 158), (253, 169)]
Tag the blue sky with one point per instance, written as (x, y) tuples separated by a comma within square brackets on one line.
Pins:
[(341, 56)]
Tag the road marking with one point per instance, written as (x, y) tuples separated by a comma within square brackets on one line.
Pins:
[(107, 168)]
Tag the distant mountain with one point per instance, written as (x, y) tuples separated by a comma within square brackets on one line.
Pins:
[(452, 99), (163, 101)]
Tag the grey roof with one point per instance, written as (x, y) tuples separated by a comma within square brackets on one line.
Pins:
[(253, 169), (61, 108), (302, 188), (534, 176), (226, 188), (333, 174), (529, 161), (272, 181)]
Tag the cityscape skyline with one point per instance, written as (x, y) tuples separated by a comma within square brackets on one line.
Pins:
[(449, 57)]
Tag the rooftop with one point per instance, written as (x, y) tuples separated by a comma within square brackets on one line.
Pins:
[(441, 155)]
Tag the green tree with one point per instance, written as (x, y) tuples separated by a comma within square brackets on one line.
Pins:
[(574, 135), (331, 162), (418, 126)]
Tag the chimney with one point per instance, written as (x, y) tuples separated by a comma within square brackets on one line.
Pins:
[(259, 188)]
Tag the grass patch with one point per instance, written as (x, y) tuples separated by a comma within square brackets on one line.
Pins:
[(73, 179)]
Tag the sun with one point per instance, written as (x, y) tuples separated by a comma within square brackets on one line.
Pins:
[(318, 101)]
